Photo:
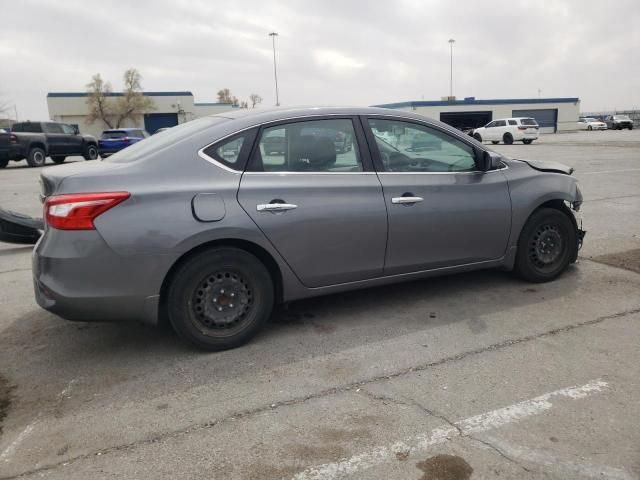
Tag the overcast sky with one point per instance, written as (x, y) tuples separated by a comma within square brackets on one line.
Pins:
[(328, 52)]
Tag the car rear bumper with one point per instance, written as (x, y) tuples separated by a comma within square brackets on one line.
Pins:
[(78, 277)]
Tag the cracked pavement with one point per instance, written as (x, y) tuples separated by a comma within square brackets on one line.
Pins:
[(374, 384)]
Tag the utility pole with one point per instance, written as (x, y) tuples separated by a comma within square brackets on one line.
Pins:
[(273, 36), (451, 42)]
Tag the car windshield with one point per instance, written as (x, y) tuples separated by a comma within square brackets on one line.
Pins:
[(529, 121), (159, 142)]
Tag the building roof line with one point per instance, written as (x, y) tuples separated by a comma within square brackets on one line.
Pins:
[(119, 94), (473, 101)]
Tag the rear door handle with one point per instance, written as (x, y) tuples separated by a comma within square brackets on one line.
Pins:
[(275, 207), (406, 200)]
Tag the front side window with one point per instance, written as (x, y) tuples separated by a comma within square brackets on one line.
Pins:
[(500, 123), (308, 146), (410, 147), (53, 128), (490, 125), (68, 129)]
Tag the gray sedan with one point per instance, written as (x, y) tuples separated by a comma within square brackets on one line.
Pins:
[(207, 227)]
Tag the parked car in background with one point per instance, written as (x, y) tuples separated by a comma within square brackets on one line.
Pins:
[(116, 139), (508, 130), (589, 123), (619, 122), (35, 141), (213, 241)]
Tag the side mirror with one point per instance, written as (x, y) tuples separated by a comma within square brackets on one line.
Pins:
[(489, 161)]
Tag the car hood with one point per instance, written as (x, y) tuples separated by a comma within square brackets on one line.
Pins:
[(543, 166)]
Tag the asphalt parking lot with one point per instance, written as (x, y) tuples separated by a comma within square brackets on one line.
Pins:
[(470, 376)]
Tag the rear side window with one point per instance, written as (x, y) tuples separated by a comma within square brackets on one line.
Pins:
[(513, 122), (114, 134), (27, 127), (227, 152), (529, 121), (308, 146)]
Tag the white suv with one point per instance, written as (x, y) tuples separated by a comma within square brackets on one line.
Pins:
[(508, 130)]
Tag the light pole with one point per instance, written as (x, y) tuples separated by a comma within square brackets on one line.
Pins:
[(273, 36), (451, 42)]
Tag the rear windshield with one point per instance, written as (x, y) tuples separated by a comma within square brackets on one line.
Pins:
[(114, 134), (529, 121), (27, 127), (621, 117), (155, 143)]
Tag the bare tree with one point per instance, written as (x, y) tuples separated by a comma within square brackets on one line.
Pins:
[(133, 102), (255, 99), (244, 104), (100, 106), (224, 96), (113, 111)]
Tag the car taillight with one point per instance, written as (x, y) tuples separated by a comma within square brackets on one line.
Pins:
[(78, 211), (522, 127)]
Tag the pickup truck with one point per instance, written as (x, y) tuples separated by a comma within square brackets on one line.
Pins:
[(35, 141)]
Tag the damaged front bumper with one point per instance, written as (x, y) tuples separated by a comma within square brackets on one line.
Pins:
[(19, 228)]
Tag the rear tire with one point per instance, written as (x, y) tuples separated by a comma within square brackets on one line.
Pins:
[(546, 246), (220, 298), (58, 159), (589, 128), (527, 141), (495, 142), (36, 157), (508, 139), (4, 162), (630, 127), (90, 152), (477, 137)]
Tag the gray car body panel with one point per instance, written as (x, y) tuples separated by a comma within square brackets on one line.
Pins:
[(329, 244)]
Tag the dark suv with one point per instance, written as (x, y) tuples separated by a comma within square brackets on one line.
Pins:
[(35, 141)]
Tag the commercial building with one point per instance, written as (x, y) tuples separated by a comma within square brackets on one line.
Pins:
[(553, 114), (169, 109)]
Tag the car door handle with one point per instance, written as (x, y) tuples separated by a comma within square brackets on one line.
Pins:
[(275, 207), (406, 200)]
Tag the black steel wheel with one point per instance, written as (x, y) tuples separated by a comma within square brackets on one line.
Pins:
[(546, 246), (219, 298)]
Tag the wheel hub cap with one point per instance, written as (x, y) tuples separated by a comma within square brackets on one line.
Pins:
[(222, 300), (547, 245)]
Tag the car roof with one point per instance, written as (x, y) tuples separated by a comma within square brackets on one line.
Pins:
[(283, 113)]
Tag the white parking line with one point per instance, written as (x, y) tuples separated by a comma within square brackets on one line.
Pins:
[(610, 171), (478, 423)]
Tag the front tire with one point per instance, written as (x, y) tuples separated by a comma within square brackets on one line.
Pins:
[(508, 139), (546, 246), (90, 152), (4, 162), (36, 157), (477, 137), (589, 128), (220, 298), (527, 141)]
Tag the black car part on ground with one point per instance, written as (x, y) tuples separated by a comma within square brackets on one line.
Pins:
[(19, 228)]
